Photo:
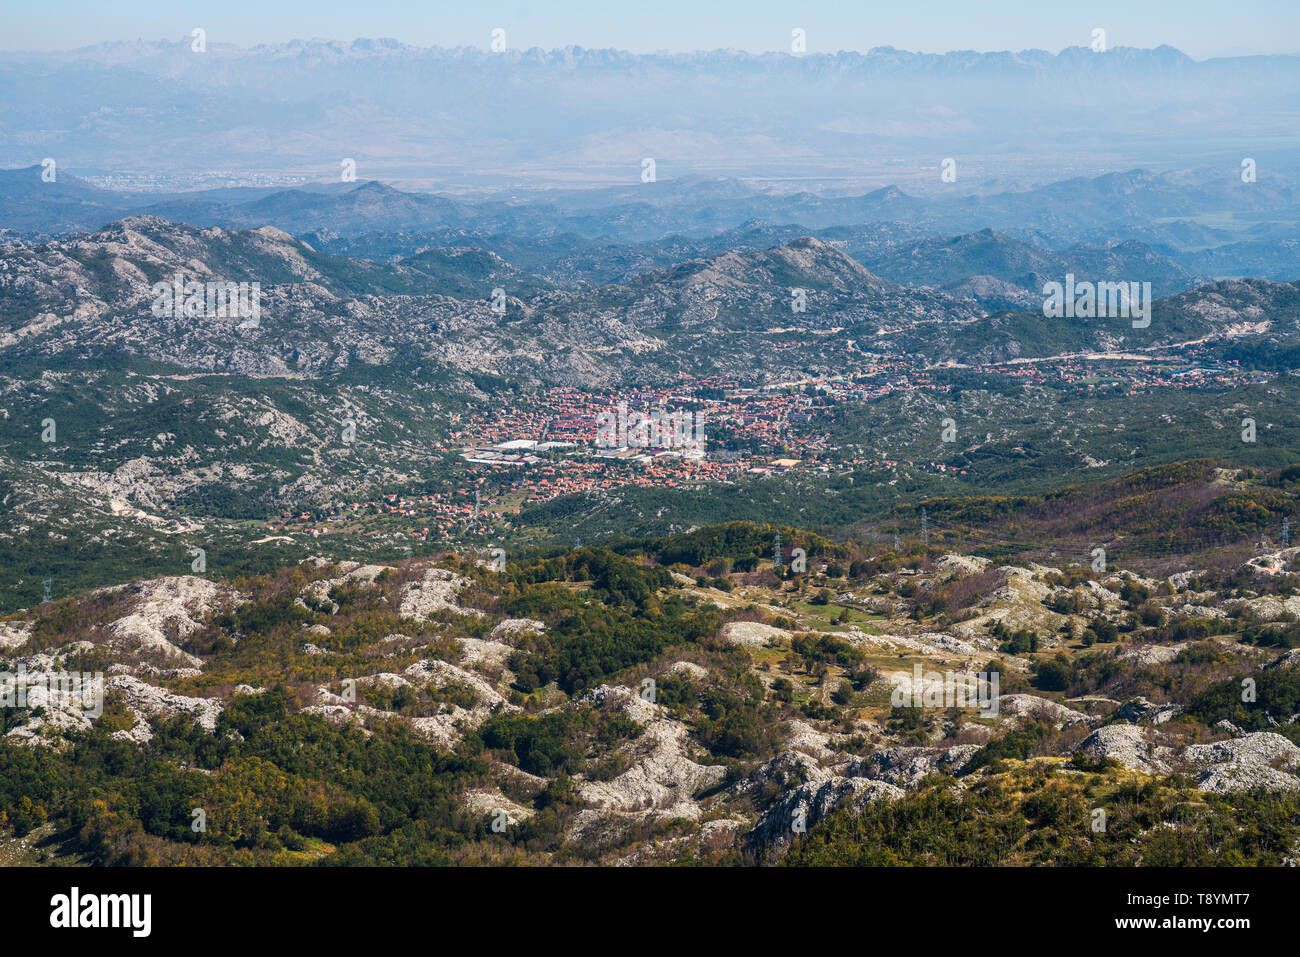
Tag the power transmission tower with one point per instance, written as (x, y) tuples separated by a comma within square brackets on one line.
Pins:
[(925, 530)]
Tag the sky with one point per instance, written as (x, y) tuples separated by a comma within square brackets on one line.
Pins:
[(1200, 28)]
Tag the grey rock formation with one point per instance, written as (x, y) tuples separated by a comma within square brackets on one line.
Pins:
[(1141, 711), (809, 803), (1128, 745), (908, 766)]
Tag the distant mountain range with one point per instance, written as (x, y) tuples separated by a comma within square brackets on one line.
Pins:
[(527, 118), (1138, 224), (691, 205)]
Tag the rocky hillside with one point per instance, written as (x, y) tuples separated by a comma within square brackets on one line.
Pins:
[(592, 706), (948, 261), (1241, 314), (322, 314)]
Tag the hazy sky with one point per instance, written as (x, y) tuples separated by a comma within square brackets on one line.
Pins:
[(1199, 28)]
